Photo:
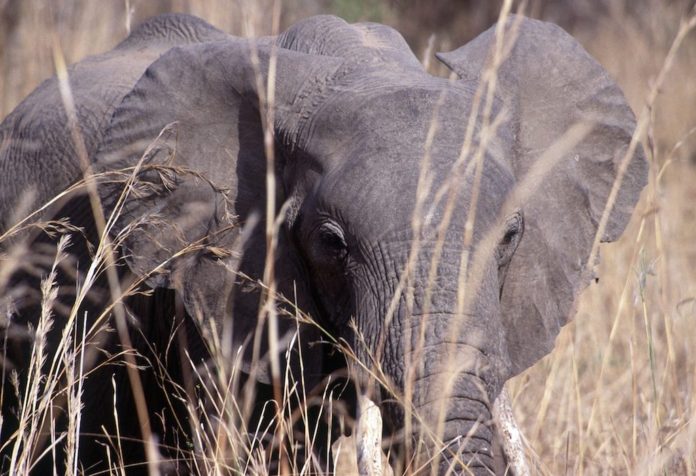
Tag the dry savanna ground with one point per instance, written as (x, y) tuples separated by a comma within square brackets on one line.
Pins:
[(617, 396)]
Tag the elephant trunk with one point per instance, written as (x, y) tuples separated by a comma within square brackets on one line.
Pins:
[(448, 362), (450, 383), (456, 415)]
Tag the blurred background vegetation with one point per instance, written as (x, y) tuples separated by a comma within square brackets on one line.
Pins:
[(618, 395)]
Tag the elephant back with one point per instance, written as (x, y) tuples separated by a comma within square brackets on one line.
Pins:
[(359, 43), (38, 153)]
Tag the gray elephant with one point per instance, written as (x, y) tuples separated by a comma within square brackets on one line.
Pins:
[(443, 228)]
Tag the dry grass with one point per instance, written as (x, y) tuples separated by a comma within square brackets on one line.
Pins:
[(616, 395)]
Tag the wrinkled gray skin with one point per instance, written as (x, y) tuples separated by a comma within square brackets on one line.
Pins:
[(353, 109)]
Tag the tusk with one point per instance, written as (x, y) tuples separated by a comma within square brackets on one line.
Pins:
[(510, 434), (369, 440), (361, 454)]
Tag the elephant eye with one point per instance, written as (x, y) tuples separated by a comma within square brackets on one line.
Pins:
[(331, 242), (513, 229)]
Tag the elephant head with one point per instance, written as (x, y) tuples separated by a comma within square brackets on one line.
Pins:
[(397, 191), (401, 215)]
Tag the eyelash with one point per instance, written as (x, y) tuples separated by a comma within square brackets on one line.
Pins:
[(333, 239)]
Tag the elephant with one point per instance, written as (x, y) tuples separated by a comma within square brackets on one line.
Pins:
[(442, 229)]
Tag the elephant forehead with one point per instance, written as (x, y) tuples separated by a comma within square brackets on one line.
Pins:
[(394, 147), (405, 124), (380, 101), (378, 195)]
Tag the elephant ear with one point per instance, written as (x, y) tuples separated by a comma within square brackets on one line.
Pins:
[(359, 43), (549, 83), (191, 134)]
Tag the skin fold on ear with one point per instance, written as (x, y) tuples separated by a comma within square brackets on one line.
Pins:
[(193, 218), (548, 83)]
